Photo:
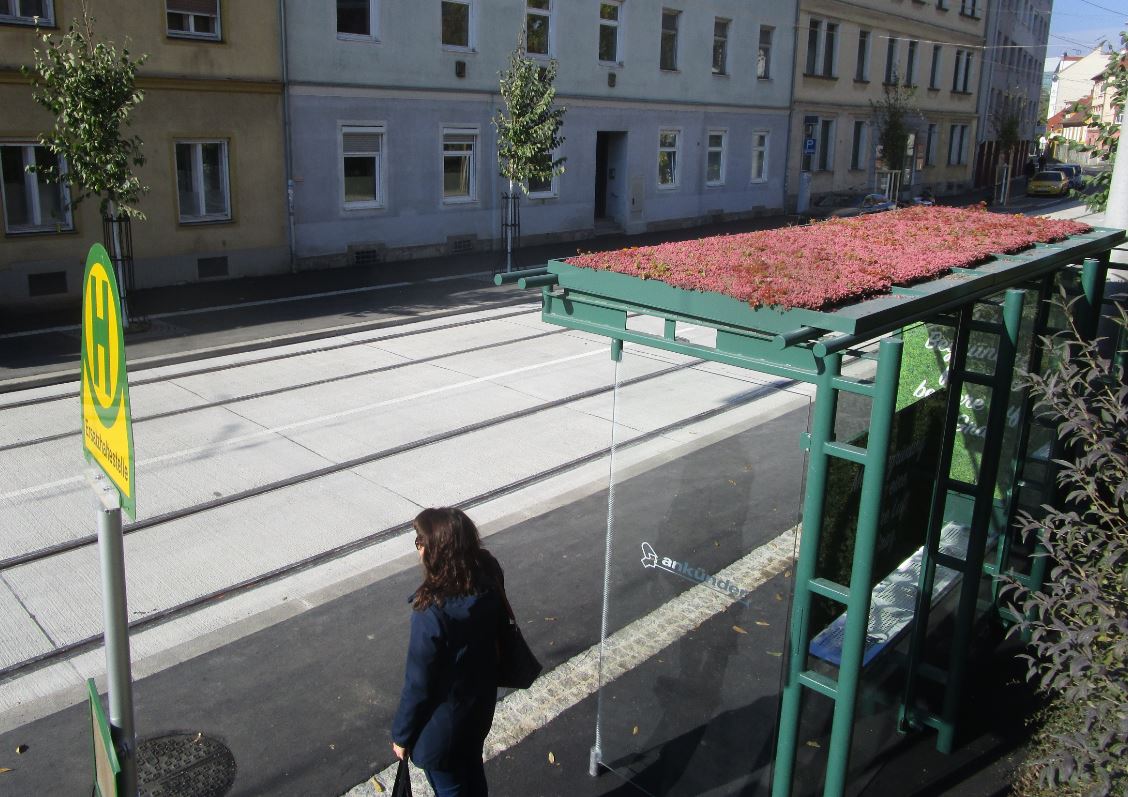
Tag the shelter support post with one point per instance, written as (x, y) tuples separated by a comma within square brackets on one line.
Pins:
[(856, 596)]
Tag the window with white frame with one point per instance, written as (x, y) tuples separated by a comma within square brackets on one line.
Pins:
[(538, 27), (543, 188), (610, 22), (822, 47), (668, 56), (356, 19), (31, 202), (826, 145), (759, 156), (891, 61), (27, 12), (764, 54), (720, 45), (934, 73), (861, 72), (930, 146), (715, 157), (460, 149), (362, 166), (190, 19), (202, 181), (668, 158), (911, 63), (957, 145), (456, 25), (858, 149)]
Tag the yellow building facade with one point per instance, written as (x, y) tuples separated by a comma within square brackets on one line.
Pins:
[(849, 54), (212, 126)]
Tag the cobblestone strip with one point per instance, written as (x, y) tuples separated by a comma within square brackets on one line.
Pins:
[(521, 712)]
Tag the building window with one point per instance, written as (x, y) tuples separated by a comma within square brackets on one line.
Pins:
[(715, 158), (822, 48), (814, 29), (609, 23), (356, 19), (942, 5), (891, 61), (362, 151), (759, 156), (830, 49), (542, 188), (459, 164), (910, 64), (456, 24), (858, 150), (862, 72), (190, 19), (538, 27), (667, 159), (961, 74), (764, 56), (720, 46), (826, 145), (668, 58), (967, 8), (957, 145), (202, 182), (27, 12), (934, 73), (930, 146), (31, 202)]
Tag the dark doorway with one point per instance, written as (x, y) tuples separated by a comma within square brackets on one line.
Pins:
[(602, 144)]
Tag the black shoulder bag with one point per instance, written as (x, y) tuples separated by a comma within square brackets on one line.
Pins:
[(517, 667)]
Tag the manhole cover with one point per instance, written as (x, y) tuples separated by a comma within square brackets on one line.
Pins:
[(184, 765)]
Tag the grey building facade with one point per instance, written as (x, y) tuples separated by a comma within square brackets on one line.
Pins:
[(1011, 84), (675, 116)]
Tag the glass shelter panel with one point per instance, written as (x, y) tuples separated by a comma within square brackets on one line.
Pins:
[(701, 544)]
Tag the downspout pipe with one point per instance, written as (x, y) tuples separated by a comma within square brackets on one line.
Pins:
[(288, 156)]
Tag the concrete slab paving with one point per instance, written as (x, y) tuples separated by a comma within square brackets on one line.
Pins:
[(206, 553), (20, 635)]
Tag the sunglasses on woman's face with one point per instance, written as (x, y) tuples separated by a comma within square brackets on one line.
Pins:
[(418, 541)]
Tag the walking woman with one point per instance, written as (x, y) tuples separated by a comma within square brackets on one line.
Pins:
[(450, 682)]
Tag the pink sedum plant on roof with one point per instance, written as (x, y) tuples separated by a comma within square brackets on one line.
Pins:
[(833, 262)]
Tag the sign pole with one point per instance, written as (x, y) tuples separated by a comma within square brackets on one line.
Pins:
[(119, 678), (107, 444)]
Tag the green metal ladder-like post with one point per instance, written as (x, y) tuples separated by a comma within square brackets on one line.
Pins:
[(856, 596)]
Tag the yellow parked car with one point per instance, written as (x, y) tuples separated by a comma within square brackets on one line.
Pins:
[(1048, 184)]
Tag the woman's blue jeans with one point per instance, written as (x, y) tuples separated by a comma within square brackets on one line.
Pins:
[(466, 781)]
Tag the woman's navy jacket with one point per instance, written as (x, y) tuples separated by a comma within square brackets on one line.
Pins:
[(450, 682)]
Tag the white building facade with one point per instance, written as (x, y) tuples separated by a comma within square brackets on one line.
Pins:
[(676, 115)]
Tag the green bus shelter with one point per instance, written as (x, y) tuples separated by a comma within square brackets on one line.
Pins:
[(888, 564)]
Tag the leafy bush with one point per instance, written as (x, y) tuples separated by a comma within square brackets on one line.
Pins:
[(1078, 623)]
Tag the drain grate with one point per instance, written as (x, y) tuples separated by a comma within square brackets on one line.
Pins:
[(184, 765)]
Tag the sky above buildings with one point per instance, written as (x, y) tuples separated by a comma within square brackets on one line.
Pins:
[(1078, 26)]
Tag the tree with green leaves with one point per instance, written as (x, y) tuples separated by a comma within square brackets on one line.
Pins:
[(1103, 146), (891, 115), (528, 131), (89, 86)]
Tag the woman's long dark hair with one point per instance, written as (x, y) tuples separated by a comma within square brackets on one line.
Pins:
[(454, 561)]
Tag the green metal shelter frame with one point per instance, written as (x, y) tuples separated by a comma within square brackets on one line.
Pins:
[(808, 346)]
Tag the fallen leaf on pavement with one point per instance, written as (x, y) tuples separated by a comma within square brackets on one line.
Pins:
[(21, 749), (377, 785), (813, 743), (739, 630), (551, 758), (5, 769), (634, 731), (775, 653), (763, 623)]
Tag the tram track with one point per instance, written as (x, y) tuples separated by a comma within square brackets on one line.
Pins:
[(161, 616), (287, 388), (39, 400)]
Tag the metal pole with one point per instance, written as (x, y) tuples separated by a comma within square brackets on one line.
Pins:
[(119, 680), (861, 571), (822, 432)]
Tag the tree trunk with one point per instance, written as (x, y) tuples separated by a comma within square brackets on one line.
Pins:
[(509, 228), (118, 262)]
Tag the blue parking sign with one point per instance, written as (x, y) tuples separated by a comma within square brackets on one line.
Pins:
[(808, 146)]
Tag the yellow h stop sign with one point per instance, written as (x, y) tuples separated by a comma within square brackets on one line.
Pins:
[(107, 426)]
